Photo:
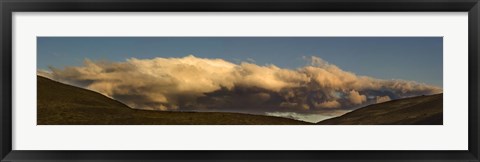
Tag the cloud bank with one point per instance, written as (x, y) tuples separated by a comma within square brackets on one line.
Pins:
[(201, 84)]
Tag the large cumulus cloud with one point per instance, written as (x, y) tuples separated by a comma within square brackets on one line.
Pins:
[(202, 84)]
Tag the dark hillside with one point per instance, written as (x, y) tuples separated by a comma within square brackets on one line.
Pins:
[(62, 104), (421, 110)]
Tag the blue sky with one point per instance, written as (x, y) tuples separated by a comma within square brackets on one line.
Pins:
[(408, 58)]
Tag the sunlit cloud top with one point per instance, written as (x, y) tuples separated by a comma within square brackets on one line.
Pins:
[(410, 58)]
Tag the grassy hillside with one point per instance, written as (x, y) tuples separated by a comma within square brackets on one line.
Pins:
[(422, 110), (61, 104)]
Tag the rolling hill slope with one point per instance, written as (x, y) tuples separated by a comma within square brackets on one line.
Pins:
[(421, 110), (61, 104)]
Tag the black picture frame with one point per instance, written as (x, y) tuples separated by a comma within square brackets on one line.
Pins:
[(10, 6)]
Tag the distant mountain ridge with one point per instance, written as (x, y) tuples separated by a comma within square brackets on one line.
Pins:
[(421, 110)]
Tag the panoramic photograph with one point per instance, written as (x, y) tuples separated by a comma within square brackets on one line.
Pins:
[(240, 81)]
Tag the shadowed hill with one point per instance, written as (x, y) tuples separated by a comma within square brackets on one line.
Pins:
[(421, 110), (61, 104)]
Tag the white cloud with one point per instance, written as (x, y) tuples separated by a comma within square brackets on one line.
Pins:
[(192, 83), (356, 98), (328, 104), (380, 99)]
